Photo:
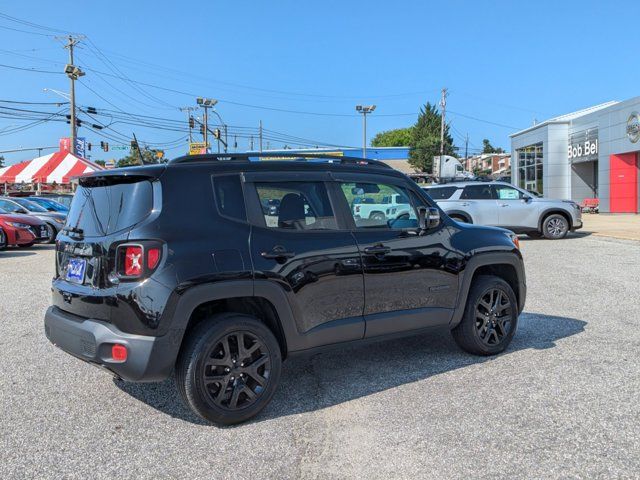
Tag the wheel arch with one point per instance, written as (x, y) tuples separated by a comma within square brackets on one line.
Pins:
[(505, 265), (460, 213), (551, 211)]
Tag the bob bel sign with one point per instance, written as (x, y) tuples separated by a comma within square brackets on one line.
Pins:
[(583, 146)]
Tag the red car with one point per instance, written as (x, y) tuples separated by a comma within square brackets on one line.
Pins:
[(23, 230)]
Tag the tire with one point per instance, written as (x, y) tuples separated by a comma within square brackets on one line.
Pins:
[(534, 234), (3, 239), (489, 334), (460, 218), (555, 227), (53, 232), (378, 216), (217, 339)]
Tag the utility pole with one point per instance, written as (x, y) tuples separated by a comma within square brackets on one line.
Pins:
[(466, 147), (73, 73), (443, 105), (364, 110), (188, 110), (260, 136), (251, 144)]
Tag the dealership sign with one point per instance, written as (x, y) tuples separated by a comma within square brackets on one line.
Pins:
[(633, 127), (583, 146)]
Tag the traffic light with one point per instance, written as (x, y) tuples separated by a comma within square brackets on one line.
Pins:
[(92, 110), (89, 146), (216, 134), (192, 123), (133, 145), (104, 146), (201, 129)]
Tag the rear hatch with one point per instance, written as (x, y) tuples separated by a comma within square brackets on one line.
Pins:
[(103, 212)]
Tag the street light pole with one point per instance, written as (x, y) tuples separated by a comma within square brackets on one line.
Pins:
[(206, 103), (364, 110), (73, 73)]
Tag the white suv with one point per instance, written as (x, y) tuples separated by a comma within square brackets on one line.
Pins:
[(503, 205)]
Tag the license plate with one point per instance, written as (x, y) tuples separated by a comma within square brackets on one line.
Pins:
[(76, 270)]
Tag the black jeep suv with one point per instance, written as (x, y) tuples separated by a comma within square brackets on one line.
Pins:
[(179, 269)]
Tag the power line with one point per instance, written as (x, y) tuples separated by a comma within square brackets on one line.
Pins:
[(30, 69)]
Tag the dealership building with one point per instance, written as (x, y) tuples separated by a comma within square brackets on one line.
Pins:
[(592, 153)]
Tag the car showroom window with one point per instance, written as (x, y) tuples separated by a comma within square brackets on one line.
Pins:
[(441, 193), (229, 198), (505, 192), (477, 192), (375, 205), (296, 205)]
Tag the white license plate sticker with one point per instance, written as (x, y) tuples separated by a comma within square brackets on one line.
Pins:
[(76, 270)]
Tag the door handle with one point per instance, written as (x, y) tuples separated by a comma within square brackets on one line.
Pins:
[(278, 253), (503, 204), (464, 204), (377, 250)]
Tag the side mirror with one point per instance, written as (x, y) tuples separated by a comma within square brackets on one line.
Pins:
[(433, 217), (422, 218)]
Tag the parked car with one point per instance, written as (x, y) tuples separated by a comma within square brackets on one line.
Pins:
[(146, 289), (379, 210), (23, 230), (19, 205), (63, 198), (270, 206), (503, 205), (49, 205)]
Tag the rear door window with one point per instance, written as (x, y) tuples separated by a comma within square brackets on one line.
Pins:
[(296, 205), (477, 192), (105, 209)]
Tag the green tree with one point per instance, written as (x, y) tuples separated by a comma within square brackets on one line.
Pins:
[(425, 139), (100, 162), (399, 137), (488, 148), (149, 156), (1, 161)]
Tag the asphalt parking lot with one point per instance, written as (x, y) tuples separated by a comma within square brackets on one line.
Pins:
[(563, 401)]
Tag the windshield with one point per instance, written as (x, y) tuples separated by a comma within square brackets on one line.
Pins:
[(102, 210), (32, 207)]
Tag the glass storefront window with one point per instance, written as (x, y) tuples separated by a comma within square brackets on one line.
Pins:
[(530, 159)]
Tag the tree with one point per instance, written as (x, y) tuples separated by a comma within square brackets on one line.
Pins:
[(1, 161), (149, 156), (102, 163), (399, 137), (425, 139), (488, 148)]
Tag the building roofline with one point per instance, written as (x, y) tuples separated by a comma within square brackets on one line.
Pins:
[(567, 117)]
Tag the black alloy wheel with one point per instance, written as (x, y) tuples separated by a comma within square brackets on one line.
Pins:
[(236, 370), (490, 319), (52, 233), (493, 316), (228, 368)]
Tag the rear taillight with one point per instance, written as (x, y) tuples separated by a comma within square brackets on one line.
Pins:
[(138, 260), (133, 261)]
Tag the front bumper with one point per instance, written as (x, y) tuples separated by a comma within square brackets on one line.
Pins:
[(149, 359)]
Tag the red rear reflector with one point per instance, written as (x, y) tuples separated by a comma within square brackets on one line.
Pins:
[(133, 261), (153, 257), (119, 353)]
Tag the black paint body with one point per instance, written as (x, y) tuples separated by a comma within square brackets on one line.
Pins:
[(329, 290)]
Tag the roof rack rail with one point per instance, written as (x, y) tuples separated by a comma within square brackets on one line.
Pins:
[(246, 157)]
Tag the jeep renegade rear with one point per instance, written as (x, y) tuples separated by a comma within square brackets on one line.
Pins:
[(179, 269)]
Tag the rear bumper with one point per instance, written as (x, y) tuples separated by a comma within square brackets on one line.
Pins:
[(149, 359)]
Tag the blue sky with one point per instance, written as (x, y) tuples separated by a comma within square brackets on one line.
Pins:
[(503, 62)]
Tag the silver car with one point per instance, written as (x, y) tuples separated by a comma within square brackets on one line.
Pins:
[(501, 204)]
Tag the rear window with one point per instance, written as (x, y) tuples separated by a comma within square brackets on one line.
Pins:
[(103, 210), (441, 193)]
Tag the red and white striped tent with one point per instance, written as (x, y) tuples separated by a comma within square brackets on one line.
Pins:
[(58, 167)]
